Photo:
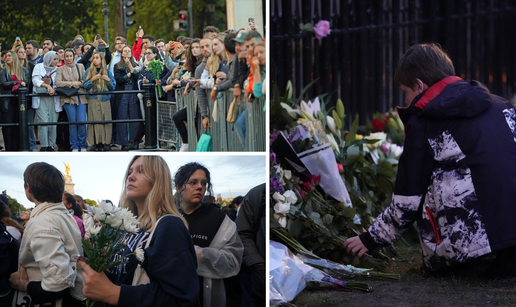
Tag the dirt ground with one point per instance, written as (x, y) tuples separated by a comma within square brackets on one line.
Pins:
[(415, 290)]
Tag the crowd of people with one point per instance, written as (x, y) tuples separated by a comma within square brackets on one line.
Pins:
[(217, 62), (197, 255)]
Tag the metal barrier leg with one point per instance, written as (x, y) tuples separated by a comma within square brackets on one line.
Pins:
[(24, 119), (151, 138)]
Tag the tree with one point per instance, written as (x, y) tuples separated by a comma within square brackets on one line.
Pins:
[(91, 203), (15, 206)]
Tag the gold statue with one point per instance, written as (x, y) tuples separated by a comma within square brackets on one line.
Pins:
[(67, 170)]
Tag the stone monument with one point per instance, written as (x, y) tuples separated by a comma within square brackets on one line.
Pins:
[(69, 185)]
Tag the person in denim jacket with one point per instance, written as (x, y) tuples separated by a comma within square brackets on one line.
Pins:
[(98, 80)]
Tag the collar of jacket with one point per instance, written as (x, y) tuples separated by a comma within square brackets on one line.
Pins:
[(43, 207)]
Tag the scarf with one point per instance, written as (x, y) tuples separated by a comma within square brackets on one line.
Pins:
[(47, 60), (72, 71)]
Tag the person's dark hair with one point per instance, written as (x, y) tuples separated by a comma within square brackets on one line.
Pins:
[(5, 217), (45, 181), (82, 47), (80, 201), (210, 29), (69, 45), (187, 41), (57, 48), (180, 38), (192, 62), (149, 37), (33, 43), (184, 173), (78, 43), (253, 34), (208, 199), (49, 39), (156, 52), (427, 62), (159, 41), (4, 53), (72, 50), (236, 201), (77, 210), (229, 43)]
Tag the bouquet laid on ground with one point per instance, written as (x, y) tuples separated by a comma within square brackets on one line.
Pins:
[(327, 183), (156, 67), (110, 225)]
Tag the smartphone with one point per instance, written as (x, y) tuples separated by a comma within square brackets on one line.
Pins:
[(139, 27), (251, 96), (97, 37), (17, 38), (251, 19)]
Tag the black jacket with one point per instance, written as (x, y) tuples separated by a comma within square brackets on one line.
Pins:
[(122, 79), (251, 225), (85, 60), (456, 176)]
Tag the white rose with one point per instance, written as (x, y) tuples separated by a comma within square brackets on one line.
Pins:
[(282, 221), (282, 208), (290, 197), (288, 174), (95, 230), (278, 197)]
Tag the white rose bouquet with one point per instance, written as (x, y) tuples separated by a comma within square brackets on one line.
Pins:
[(110, 225)]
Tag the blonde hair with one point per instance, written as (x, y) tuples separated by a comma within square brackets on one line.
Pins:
[(17, 69), (260, 72), (160, 200), (25, 61), (214, 60), (99, 85)]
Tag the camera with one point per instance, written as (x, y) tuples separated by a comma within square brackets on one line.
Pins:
[(17, 38)]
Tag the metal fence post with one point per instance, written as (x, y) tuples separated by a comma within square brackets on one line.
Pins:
[(24, 129), (149, 100)]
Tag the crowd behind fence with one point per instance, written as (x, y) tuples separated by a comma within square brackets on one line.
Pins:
[(356, 61), (160, 128)]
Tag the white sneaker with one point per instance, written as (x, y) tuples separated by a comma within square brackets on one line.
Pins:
[(84, 150), (184, 147), (75, 150)]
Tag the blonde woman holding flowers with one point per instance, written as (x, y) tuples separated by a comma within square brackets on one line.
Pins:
[(170, 259), (98, 80)]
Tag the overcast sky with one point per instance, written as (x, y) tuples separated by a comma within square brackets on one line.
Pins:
[(100, 176)]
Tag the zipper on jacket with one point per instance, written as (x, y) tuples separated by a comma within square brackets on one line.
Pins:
[(433, 221)]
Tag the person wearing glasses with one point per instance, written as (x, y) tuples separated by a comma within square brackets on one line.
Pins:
[(217, 244)]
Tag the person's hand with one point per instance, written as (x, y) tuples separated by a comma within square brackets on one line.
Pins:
[(102, 42), (95, 43), (186, 92), (96, 77), (158, 82), (168, 88), (97, 286), (242, 55), (76, 84), (145, 80), (213, 94), (221, 75), (176, 70), (249, 97), (256, 62), (19, 279), (105, 78), (23, 84), (139, 34), (206, 122), (198, 252), (237, 92), (355, 247), (50, 90), (176, 82)]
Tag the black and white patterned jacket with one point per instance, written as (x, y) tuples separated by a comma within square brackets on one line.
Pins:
[(456, 176)]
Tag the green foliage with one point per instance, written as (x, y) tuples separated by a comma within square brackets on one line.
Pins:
[(15, 206), (63, 20), (91, 203)]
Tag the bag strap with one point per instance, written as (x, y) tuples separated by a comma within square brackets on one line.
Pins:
[(78, 73), (152, 232)]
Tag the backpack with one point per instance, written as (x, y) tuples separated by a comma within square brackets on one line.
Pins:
[(9, 251)]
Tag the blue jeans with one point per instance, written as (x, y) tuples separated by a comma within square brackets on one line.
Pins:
[(32, 137), (78, 133), (240, 127)]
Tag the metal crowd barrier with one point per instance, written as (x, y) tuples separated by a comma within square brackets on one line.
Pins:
[(224, 135), (150, 116)]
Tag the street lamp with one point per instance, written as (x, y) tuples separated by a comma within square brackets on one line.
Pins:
[(106, 12), (211, 9)]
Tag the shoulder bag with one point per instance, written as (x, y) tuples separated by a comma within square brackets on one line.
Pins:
[(233, 111), (140, 277), (68, 91)]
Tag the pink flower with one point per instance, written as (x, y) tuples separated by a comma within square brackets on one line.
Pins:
[(340, 167), (322, 29)]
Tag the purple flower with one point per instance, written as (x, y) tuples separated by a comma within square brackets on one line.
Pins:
[(273, 158), (322, 29), (276, 184)]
